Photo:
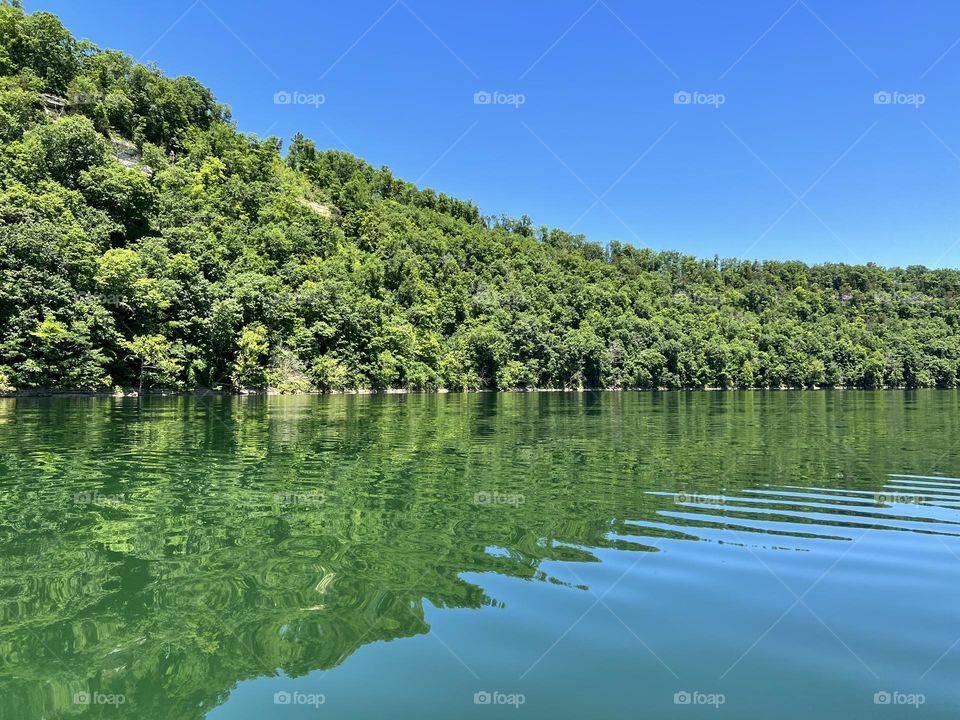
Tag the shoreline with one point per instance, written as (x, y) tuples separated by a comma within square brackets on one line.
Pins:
[(248, 392)]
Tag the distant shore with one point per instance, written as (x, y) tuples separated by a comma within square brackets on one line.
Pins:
[(246, 392)]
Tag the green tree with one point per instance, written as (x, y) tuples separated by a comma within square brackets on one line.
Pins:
[(160, 361), (249, 369)]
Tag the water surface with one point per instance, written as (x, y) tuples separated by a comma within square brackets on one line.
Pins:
[(608, 555)]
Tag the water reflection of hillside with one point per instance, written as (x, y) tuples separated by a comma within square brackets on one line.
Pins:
[(284, 533)]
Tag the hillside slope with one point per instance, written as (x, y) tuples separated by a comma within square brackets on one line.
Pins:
[(209, 258)]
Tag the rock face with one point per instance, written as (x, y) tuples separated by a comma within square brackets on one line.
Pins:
[(318, 208), (126, 152), (54, 105), (129, 156)]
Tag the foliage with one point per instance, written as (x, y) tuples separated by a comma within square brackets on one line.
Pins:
[(158, 359), (252, 357), (313, 269)]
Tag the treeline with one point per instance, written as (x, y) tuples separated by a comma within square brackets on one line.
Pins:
[(144, 241)]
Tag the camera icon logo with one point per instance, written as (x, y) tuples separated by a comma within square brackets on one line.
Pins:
[(282, 697), (682, 698), (482, 97), (282, 97), (81, 698), (482, 698)]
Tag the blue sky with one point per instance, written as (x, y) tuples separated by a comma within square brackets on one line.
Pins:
[(784, 152)]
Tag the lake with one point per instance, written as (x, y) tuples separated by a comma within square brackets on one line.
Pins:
[(543, 555)]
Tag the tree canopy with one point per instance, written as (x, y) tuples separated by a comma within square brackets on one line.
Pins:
[(144, 241)]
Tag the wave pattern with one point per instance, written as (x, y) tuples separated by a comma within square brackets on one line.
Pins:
[(177, 550)]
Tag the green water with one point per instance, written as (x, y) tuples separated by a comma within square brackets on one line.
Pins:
[(610, 555)]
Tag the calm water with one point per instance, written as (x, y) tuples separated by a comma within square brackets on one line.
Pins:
[(754, 555)]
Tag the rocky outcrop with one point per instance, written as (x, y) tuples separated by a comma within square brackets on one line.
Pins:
[(318, 208), (129, 155)]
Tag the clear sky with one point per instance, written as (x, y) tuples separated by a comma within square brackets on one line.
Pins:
[(784, 150)]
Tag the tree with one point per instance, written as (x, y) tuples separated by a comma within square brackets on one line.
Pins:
[(64, 149), (125, 194), (249, 369), (160, 361)]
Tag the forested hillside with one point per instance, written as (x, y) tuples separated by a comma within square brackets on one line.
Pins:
[(144, 241)]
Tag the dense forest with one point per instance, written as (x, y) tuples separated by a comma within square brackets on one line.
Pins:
[(145, 242)]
